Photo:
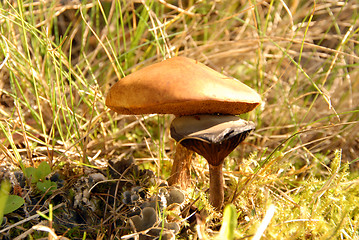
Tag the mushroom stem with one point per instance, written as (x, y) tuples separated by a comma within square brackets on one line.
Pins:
[(216, 192), (180, 174)]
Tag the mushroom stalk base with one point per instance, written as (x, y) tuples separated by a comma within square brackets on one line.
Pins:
[(181, 168), (216, 192)]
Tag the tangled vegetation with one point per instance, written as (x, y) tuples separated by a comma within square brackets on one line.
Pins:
[(70, 167)]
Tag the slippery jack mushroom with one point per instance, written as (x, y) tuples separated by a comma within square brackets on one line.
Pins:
[(213, 137), (181, 86)]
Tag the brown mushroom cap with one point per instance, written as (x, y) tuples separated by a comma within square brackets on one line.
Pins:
[(180, 86), (212, 136)]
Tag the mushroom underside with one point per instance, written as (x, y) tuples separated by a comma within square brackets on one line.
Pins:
[(211, 136), (215, 152)]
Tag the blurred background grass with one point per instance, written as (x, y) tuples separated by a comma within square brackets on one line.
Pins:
[(59, 59)]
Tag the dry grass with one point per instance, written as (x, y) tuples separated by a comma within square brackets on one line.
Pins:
[(58, 61)]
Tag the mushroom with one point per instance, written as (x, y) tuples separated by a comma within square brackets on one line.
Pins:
[(181, 86), (213, 137)]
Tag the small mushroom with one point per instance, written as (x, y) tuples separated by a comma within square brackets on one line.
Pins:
[(213, 137)]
